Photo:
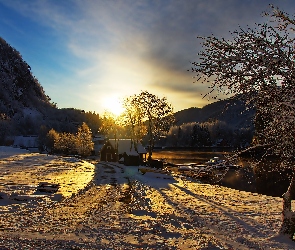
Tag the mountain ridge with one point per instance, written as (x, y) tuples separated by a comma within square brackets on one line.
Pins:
[(233, 111)]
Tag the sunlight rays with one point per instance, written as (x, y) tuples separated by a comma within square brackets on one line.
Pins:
[(113, 104)]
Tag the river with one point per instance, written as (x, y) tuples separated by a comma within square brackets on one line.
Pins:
[(244, 178), (189, 156)]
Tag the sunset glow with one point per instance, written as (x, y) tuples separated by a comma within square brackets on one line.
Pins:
[(77, 49), (113, 104)]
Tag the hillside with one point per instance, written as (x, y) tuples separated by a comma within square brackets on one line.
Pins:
[(19, 89), (232, 111), (24, 106), (226, 123)]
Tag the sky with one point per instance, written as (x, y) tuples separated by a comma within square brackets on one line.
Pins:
[(90, 55)]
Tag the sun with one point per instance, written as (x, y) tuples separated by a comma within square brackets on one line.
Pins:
[(113, 104)]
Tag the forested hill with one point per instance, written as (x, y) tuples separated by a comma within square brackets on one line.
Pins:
[(232, 111), (19, 89), (24, 106), (223, 123)]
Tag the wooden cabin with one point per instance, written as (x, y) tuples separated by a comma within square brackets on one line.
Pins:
[(108, 152), (29, 142), (99, 141), (124, 151)]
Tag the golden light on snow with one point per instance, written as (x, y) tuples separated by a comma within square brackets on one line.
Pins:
[(71, 173), (154, 210)]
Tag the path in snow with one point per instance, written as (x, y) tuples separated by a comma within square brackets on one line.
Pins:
[(122, 209)]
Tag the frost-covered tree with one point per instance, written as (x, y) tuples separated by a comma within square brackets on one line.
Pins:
[(84, 143), (259, 64), (109, 125), (65, 143), (131, 119), (156, 113), (51, 138)]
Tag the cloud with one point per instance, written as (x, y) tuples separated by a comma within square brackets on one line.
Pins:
[(123, 47)]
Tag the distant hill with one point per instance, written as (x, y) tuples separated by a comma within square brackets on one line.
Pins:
[(232, 111), (24, 106), (225, 123)]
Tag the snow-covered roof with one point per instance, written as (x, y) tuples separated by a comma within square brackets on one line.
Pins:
[(98, 138), (124, 146)]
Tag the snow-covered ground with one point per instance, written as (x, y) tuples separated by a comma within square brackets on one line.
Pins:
[(111, 206), (10, 151)]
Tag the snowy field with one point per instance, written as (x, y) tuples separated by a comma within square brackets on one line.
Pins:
[(104, 205), (10, 151)]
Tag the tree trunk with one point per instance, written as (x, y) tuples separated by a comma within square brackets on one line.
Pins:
[(288, 216), (151, 148), (151, 140)]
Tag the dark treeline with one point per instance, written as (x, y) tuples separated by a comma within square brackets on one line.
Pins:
[(207, 134), (194, 134), (25, 109), (33, 122)]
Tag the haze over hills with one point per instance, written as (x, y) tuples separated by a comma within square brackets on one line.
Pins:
[(24, 106), (225, 123)]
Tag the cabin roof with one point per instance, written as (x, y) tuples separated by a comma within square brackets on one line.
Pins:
[(124, 146), (98, 138)]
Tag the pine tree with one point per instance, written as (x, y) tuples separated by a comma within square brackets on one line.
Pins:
[(84, 140), (51, 138)]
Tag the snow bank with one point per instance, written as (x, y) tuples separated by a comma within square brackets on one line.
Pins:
[(10, 151)]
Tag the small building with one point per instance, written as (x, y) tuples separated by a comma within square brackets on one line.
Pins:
[(108, 152), (29, 142), (99, 141), (124, 151)]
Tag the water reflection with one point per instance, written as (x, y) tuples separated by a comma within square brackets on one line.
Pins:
[(247, 178), (187, 156)]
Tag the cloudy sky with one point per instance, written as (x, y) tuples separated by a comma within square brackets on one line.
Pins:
[(91, 54)]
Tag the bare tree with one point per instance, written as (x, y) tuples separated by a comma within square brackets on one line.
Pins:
[(132, 120), (109, 125), (148, 110), (259, 65)]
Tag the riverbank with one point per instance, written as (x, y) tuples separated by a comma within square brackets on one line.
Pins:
[(122, 209)]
